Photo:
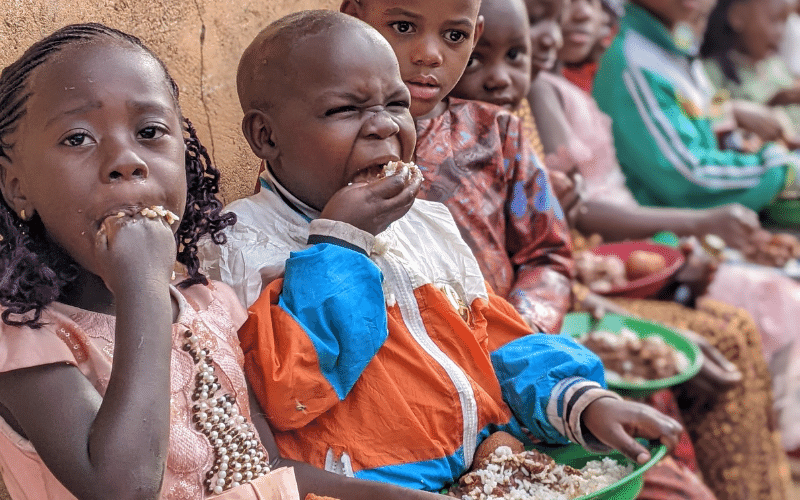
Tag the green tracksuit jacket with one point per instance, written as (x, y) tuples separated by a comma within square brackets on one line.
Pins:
[(660, 101)]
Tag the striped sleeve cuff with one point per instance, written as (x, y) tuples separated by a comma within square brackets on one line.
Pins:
[(341, 234), (567, 401)]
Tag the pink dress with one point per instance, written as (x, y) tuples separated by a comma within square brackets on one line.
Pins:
[(771, 298), (86, 340)]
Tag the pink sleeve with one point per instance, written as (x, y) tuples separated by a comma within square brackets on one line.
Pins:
[(54, 342)]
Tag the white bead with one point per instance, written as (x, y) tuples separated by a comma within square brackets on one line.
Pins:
[(218, 490), (248, 475), (234, 484), (224, 458), (237, 477), (223, 467), (221, 482), (207, 426), (222, 474)]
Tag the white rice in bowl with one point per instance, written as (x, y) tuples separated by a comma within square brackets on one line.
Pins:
[(531, 475)]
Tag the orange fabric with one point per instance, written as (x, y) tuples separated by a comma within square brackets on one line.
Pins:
[(403, 408)]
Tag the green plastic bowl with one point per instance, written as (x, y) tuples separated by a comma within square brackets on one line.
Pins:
[(615, 323), (626, 488), (576, 324), (782, 213)]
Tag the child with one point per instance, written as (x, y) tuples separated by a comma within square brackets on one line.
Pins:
[(373, 348), (660, 102), (474, 155), (741, 50), (139, 385), (609, 208)]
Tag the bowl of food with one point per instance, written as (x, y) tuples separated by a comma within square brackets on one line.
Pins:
[(641, 357), (635, 269), (783, 212), (547, 472)]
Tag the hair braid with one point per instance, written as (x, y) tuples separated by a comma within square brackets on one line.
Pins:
[(34, 271)]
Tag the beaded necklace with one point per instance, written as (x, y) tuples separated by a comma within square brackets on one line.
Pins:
[(238, 455)]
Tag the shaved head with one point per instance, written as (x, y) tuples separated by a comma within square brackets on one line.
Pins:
[(266, 68)]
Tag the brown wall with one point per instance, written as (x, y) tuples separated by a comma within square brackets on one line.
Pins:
[(199, 40)]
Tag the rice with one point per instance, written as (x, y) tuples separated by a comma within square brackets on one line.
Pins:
[(531, 475)]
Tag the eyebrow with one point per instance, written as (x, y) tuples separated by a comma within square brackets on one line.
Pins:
[(399, 11), (75, 111), (140, 106)]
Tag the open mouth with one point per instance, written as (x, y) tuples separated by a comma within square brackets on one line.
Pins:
[(377, 172), (151, 212)]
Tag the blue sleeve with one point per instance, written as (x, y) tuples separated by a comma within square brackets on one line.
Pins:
[(335, 295), (542, 376)]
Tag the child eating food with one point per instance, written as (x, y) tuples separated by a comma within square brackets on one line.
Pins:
[(369, 346)]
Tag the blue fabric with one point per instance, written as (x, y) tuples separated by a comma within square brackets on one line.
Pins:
[(335, 294), (433, 475), (528, 369)]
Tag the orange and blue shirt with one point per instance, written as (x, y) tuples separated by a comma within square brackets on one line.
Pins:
[(387, 357)]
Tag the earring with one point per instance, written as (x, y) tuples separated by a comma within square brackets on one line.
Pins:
[(22, 215)]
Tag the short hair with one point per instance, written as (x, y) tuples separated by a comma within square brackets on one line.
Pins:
[(266, 58)]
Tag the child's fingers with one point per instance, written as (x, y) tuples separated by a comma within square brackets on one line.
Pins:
[(388, 187), (630, 447)]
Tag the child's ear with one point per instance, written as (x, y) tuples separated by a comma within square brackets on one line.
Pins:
[(351, 7), (478, 31), (257, 129), (11, 188)]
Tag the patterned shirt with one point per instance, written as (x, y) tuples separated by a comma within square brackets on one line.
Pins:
[(477, 160)]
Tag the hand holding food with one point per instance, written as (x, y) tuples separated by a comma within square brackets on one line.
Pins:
[(376, 197)]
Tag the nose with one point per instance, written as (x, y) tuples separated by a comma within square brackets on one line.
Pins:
[(123, 162), (427, 52), (581, 10), (497, 79), (380, 125), (550, 36)]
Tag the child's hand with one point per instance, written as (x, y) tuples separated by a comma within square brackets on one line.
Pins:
[(133, 248), (570, 190), (733, 223), (616, 423), (372, 206)]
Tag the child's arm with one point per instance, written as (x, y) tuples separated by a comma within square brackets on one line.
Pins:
[(313, 480), (670, 154), (538, 239), (117, 443), (310, 335), (549, 381)]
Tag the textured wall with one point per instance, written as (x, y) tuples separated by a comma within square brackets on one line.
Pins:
[(199, 40)]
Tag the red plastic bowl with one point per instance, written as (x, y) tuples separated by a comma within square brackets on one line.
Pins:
[(647, 286)]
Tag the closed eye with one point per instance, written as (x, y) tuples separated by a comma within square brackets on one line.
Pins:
[(339, 110), (401, 104)]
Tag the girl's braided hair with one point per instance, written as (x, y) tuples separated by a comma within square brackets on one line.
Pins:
[(33, 271)]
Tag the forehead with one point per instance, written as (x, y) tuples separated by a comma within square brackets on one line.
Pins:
[(341, 58), (97, 72), (427, 9), (504, 18), (547, 8)]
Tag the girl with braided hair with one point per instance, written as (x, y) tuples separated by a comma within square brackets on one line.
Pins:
[(117, 379)]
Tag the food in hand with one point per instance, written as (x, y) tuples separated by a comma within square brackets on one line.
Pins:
[(373, 174), (772, 249), (600, 273), (535, 476), (643, 263), (312, 496)]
